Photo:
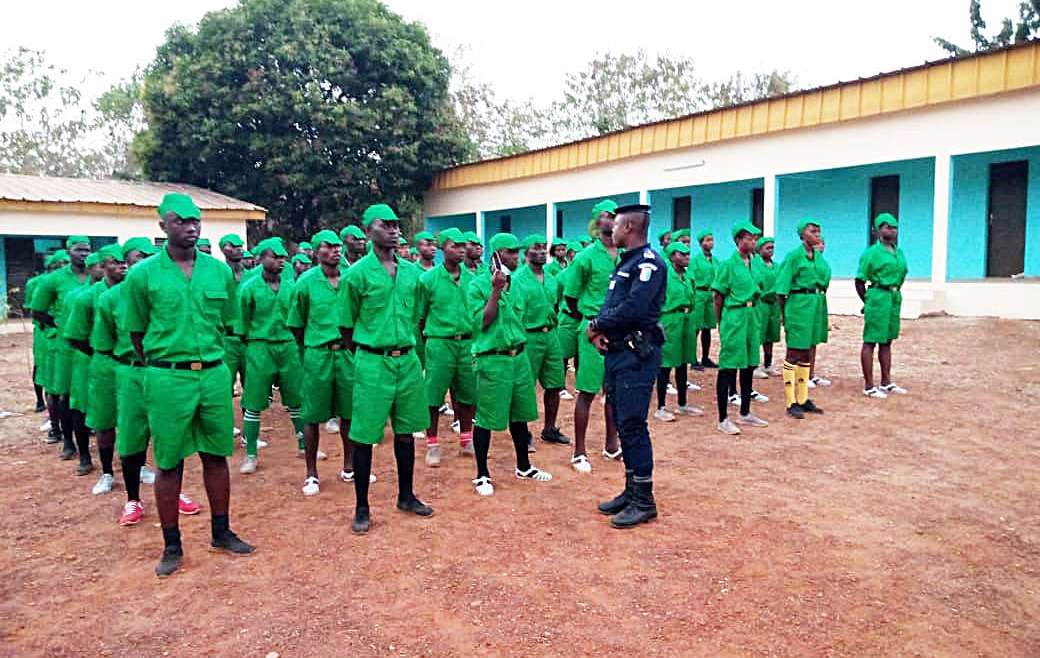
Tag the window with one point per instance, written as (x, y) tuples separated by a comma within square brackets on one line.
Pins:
[(884, 197), (680, 212), (559, 223), (758, 207), (505, 224)]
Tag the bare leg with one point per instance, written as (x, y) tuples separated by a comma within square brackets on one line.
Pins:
[(581, 420), (612, 443), (866, 362), (812, 362), (218, 483), (767, 355), (464, 414), (310, 448), (167, 490), (885, 359), (348, 446), (435, 418), (551, 400)]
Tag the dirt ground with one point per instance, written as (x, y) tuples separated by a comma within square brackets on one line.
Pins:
[(902, 527)]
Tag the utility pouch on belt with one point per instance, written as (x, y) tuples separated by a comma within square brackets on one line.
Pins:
[(641, 343)]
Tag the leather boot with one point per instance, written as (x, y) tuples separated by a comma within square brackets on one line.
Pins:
[(620, 501), (641, 507)]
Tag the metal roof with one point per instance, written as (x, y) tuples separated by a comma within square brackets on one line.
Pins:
[(51, 189)]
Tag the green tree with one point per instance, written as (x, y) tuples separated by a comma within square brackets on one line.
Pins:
[(120, 117), (1027, 26), (311, 108)]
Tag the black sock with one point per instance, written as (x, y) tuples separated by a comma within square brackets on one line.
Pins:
[(705, 344), (131, 465), (662, 387), (220, 525), (105, 455), (723, 381), (172, 537), (362, 460), (481, 447), (65, 414), (38, 389), (680, 384), (82, 434), (521, 435), (767, 360), (746, 375), (404, 453)]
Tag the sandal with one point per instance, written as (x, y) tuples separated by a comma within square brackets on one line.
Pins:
[(533, 474), (483, 486), (616, 455), (581, 464)]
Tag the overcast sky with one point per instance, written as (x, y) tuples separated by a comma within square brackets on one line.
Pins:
[(525, 48)]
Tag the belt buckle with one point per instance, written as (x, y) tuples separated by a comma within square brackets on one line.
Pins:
[(335, 347), (196, 365), (395, 353), (512, 352)]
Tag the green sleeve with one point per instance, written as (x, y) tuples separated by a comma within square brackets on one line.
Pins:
[(863, 273), (231, 305), (77, 326), (782, 286), (136, 301), (578, 273), (44, 295), (300, 302), (103, 334), (350, 298), (245, 311), (722, 284)]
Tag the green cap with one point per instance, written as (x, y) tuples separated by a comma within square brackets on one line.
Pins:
[(76, 239), (676, 246), (305, 245), (232, 240), (203, 242), (744, 226), (558, 242), (681, 233), (325, 235), (144, 245), (451, 235), (414, 251), (57, 256), (113, 251), (180, 205), (606, 205), (885, 218), (660, 236), (246, 253), (574, 246), (378, 211), (532, 240), (585, 240), (274, 244), (472, 237), (504, 241), (763, 242), (423, 235), (401, 242), (353, 230), (92, 260), (802, 225), (703, 233), (301, 258)]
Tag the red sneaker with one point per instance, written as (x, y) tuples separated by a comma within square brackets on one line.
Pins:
[(133, 512), (188, 506)]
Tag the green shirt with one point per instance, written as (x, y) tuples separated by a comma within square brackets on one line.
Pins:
[(766, 277), (49, 295), (382, 310), (182, 319), (80, 317), (678, 292), (482, 268), (314, 308), (541, 297), (442, 302), (882, 267), (734, 280), (263, 312), (107, 335), (588, 278), (701, 270), (798, 271), (553, 267), (507, 331)]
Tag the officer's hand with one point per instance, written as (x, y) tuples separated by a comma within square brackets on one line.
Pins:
[(599, 341), (591, 333), (499, 280)]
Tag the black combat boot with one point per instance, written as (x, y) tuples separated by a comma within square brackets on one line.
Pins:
[(641, 507), (620, 501)]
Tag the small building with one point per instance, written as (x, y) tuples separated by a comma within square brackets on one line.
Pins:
[(37, 214), (952, 148)]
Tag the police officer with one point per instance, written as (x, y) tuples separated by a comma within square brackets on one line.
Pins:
[(627, 329)]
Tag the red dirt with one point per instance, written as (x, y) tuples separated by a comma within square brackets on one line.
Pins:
[(898, 527)]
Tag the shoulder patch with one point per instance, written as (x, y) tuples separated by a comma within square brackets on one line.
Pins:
[(649, 253), (646, 270)]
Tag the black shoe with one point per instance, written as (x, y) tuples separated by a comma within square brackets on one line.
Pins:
[(413, 505), (810, 407), (229, 541), (554, 435), (361, 522), (619, 502), (795, 411), (170, 561), (68, 453), (53, 436), (640, 509), (698, 367), (41, 406), (85, 468), (708, 363)]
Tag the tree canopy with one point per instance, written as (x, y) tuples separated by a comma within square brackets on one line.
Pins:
[(1026, 27)]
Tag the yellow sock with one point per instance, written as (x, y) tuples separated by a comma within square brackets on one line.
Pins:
[(788, 383), (801, 383)]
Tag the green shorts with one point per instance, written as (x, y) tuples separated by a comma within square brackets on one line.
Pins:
[(326, 384), (505, 392), (420, 348), (590, 364), (823, 320), (769, 321), (567, 335), (235, 358), (449, 366), (545, 358), (101, 408), (703, 309), (739, 337), (79, 380), (387, 387), (38, 352), (680, 342), (265, 362), (60, 366), (131, 411), (801, 321), (189, 411), (45, 359), (881, 315)]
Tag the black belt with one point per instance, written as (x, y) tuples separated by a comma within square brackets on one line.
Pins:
[(129, 362), (704, 288), (544, 329), (455, 337), (591, 317), (231, 332), (681, 309), (805, 291), (881, 287), (334, 345), (388, 351), (185, 365), (105, 353), (513, 351)]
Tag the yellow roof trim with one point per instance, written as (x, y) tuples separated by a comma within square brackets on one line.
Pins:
[(119, 210), (957, 79)]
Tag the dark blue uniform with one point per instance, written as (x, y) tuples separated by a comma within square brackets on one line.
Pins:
[(628, 319)]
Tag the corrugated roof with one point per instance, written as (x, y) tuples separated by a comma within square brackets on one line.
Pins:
[(51, 189)]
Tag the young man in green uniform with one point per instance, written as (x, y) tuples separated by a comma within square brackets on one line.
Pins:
[(680, 344), (558, 261), (301, 263), (474, 254), (505, 386), (204, 246), (664, 238), (798, 293), (426, 246), (178, 304), (736, 294), (355, 243), (883, 266), (79, 315), (378, 319), (233, 248), (822, 316), (449, 336), (328, 387), (702, 267), (271, 350), (542, 299), (43, 353), (48, 307), (765, 271), (584, 290), (30, 285)]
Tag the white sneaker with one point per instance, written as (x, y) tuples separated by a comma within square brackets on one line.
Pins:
[(235, 431), (456, 426), (751, 420), (446, 410), (581, 464), (774, 370), (332, 426), (727, 427), (433, 456), (302, 454), (46, 427), (260, 443), (571, 369), (820, 381), (419, 436), (690, 410), (566, 395), (664, 415), (467, 449), (894, 388), (248, 465), (875, 392), (672, 390), (760, 373), (758, 397), (147, 475), (533, 474), (348, 476), (483, 486), (734, 400), (104, 484), (690, 386), (811, 384), (311, 487)]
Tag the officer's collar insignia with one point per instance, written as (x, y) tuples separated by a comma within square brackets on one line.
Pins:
[(648, 253)]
